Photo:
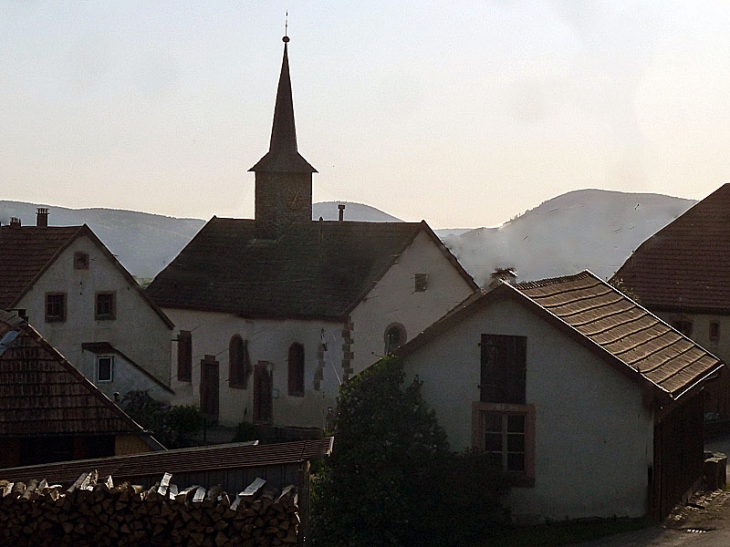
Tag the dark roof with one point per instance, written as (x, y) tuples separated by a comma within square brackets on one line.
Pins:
[(283, 156), (184, 460), (317, 270), (26, 252), (41, 393), (607, 322), (105, 348), (686, 265)]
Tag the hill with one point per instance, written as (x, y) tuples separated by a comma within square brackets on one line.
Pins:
[(584, 229)]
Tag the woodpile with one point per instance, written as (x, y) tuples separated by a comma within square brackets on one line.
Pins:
[(97, 512)]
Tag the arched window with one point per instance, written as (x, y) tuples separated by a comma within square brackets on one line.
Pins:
[(296, 370), (395, 337), (239, 363)]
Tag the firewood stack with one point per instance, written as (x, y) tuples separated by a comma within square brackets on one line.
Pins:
[(96, 512)]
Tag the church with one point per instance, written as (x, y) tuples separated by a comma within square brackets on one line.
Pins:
[(275, 312)]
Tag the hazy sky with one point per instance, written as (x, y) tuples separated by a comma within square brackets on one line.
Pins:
[(462, 113)]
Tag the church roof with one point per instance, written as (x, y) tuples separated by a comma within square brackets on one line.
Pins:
[(685, 265), (283, 155), (316, 270)]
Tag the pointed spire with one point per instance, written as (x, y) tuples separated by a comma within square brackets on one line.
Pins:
[(283, 156)]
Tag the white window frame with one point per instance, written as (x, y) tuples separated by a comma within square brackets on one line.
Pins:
[(99, 379)]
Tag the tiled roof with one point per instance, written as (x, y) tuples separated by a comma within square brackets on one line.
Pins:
[(606, 321), (316, 270), (41, 393), (25, 252), (184, 460), (686, 265)]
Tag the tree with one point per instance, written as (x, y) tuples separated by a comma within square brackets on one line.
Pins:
[(390, 470)]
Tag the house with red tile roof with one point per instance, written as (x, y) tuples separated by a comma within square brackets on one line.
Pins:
[(275, 312), (589, 402), (682, 273), (49, 411), (66, 282)]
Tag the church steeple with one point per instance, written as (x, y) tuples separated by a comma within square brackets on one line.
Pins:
[(283, 176), (283, 155)]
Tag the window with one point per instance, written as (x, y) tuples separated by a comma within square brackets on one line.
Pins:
[(503, 369), (55, 307), (239, 362), (105, 368), (81, 261), (505, 433), (185, 356), (714, 331), (684, 326), (395, 337), (421, 282), (106, 306), (296, 370)]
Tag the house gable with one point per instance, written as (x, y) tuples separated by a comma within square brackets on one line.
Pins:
[(138, 328), (586, 414), (397, 300)]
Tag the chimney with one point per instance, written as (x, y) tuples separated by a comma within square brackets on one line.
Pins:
[(341, 207), (14, 221), (41, 217)]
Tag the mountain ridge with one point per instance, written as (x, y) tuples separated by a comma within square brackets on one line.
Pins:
[(582, 229)]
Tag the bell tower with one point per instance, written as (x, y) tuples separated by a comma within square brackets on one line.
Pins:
[(283, 176)]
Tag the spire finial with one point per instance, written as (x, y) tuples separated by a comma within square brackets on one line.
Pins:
[(285, 39)]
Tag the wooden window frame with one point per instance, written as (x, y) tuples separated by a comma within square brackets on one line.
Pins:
[(421, 282), (56, 307), (296, 369), (81, 260), (714, 332), (503, 369), (239, 363), (523, 478), (109, 311), (99, 359), (185, 356)]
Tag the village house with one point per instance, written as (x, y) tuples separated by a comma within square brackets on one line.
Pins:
[(682, 273), (66, 282), (589, 402), (49, 412), (275, 312)]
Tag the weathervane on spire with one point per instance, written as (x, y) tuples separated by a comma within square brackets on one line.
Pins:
[(285, 39)]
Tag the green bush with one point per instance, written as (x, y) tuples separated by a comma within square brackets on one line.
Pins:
[(391, 479), (172, 426)]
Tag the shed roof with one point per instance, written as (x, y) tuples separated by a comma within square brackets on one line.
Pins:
[(685, 265), (42, 394), (184, 460), (607, 322), (319, 270), (26, 252)]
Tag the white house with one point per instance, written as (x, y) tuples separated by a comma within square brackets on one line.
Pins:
[(65, 281), (587, 400), (277, 311)]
